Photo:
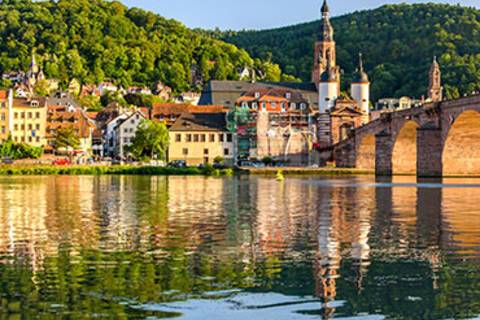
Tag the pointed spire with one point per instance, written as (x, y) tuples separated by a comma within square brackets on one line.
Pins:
[(360, 62), (325, 8), (326, 29)]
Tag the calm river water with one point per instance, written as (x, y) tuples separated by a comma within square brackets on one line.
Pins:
[(251, 248)]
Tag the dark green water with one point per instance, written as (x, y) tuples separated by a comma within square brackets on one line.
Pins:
[(238, 248)]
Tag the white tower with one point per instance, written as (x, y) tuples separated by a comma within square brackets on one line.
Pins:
[(328, 88), (360, 89)]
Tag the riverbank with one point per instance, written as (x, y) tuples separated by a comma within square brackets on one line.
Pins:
[(326, 171), (109, 170)]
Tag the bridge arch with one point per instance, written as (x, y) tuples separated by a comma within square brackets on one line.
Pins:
[(461, 147), (365, 153), (404, 153)]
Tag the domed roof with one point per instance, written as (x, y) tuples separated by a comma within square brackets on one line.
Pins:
[(330, 75), (360, 75)]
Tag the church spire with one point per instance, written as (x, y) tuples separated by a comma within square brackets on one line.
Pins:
[(326, 29), (325, 51), (435, 82), (325, 8)]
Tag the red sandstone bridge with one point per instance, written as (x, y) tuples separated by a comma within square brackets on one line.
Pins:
[(432, 141)]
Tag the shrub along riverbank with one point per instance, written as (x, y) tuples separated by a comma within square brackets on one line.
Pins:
[(111, 170)]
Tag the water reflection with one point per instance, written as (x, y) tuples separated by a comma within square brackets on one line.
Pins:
[(307, 248)]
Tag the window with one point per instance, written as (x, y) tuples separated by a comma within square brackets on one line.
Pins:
[(293, 106), (29, 139), (37, 139), (189, 138), (15, 115), (195, 138), (264, 106), (178, 138), (125, 130), (203, 138), (254, 106), (15, 127), (221, 138), (205, 152), (245, 105), (37, 115), (125, 140), (284, 108), (30, 127), (4, 130), (288, 95), (257, 95), (16, 139), (303, 106), (226, 152), (274, 105), (22, 127), (23, 139), (185, 151), (29, 115), (22, 115), (37, 126), (212, 138), (2, 117), (229, 137)]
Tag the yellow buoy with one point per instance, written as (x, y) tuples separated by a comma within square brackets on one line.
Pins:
[(280, 176)]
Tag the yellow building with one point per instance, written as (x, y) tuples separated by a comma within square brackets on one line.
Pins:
[(28, 121), (200, 138), (5, 97)]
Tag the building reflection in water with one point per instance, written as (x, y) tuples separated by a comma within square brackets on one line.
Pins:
[(341, 228)]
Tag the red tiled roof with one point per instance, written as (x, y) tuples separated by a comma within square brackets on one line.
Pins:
[(178, 109)]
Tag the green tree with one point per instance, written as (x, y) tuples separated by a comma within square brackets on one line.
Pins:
[(42, 88), (66, 139), (151, 141), (91, 103)]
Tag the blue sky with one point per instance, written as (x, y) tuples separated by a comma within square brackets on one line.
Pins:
[(258, 14)]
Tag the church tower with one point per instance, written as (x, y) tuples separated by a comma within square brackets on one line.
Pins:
[(435, 85), (324, 46), (360, 89)]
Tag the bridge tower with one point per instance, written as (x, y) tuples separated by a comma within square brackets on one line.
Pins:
[(435, 89), (360, 90), (328, 92), (324, 46)]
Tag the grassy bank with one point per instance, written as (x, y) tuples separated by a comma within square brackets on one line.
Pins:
[(107, 170), (309, 171)]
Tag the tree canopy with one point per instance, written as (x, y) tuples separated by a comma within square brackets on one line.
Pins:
[(398, 43), (99, 40), (151, 141), (66, 139), (10, 149)]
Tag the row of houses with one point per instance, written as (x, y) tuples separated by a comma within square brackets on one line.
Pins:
[(198, 134)]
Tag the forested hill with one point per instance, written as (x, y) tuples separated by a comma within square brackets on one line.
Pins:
[(398, 42), (96, 40)]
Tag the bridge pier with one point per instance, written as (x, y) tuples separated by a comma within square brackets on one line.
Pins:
[(429, 152), (383, 155)]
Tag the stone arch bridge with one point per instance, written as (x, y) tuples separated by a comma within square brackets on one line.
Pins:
[(433, 140)]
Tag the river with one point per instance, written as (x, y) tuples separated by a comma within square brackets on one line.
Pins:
[(137, 247)]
